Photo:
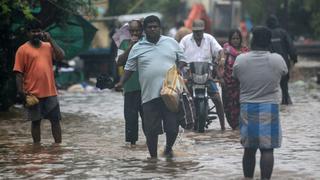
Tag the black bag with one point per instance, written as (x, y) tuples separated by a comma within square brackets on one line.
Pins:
[(104, 81), (187, 113)]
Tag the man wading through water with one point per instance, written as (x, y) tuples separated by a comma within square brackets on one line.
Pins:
[(152, 57), (132, 90), (34, 75), (259, 73), (282, 44)]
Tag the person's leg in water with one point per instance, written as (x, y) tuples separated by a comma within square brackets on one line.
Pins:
[(286, 99), (54, 116), (266, 163), (141, 113), (171, 128), (152, 143), (219, 107), (131, 116), (249, 162), (152, 124), (36, 131), (216, 99), (56, 130), (170, 140)]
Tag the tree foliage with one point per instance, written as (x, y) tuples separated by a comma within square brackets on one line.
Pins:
[(14, 14), (303, 15), (169, 8), (313, 7), (253, 9)]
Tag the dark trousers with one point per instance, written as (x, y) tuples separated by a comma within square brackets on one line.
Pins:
[(158, 118), (285, 90), (132, 107)]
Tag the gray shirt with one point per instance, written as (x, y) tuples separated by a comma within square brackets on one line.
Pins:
[(259, 74), (153, 61)]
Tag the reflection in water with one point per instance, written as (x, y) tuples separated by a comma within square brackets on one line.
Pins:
[(29, 159), (93, 144)]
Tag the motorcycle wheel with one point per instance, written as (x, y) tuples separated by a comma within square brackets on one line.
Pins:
[(202, 114)]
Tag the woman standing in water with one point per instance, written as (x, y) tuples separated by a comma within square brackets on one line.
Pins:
[(230, 86)]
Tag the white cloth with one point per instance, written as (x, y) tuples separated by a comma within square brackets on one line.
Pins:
[(172, 32), (119, 52), (208, 49), (121, 34)]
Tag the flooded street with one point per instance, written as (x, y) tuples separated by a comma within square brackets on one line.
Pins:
[(93, 144)]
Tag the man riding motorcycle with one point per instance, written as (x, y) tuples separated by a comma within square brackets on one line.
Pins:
[(202, 47)]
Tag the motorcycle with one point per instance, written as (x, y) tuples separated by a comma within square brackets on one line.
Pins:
[(199, 73)]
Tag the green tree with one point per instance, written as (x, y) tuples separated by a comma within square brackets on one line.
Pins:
[(169, 8), (14, 14), (302, 18), (298, 14), (313, 6)]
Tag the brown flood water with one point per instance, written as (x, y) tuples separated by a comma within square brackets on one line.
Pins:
[(93, 144)]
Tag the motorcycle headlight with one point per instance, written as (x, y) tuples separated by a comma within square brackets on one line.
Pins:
[(200, 79)]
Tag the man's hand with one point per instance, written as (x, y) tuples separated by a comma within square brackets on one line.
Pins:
[(118, 86), (58, 53), (127, 74), (227, 50), (134, 39), (46, 37)]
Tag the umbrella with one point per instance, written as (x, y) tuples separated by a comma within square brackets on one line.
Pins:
[(74, 37)]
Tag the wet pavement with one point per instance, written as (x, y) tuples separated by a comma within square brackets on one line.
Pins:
[(93, 144)]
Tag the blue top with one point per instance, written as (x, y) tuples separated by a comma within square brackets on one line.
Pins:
[(152, 61)]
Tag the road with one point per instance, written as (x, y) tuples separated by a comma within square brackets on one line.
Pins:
[(93, 144)]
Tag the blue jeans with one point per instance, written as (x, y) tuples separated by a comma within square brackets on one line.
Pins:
[(212, 87)]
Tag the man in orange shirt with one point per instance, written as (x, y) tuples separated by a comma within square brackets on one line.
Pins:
[(34, 76)]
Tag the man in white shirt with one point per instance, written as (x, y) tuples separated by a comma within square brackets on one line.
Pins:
[(200, 46)]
